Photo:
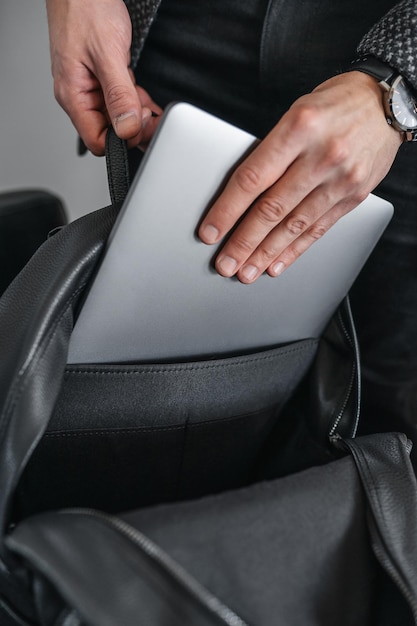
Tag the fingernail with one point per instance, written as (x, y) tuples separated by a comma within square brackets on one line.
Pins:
[(126, 123), (278, 268), (249, 272), (227, 265), (210, 234)]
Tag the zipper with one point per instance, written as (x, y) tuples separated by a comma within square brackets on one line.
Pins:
[(355, 375), (176, 571)]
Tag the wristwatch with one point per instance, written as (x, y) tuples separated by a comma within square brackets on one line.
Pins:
[(400, 102)]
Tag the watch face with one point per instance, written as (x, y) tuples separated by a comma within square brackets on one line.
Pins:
[(403, 105)]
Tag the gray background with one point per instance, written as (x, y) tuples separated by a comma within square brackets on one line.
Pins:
[(38, 142)]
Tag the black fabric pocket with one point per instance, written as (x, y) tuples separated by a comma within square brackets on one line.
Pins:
[(126, 436)]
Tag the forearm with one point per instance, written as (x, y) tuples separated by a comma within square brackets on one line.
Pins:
[(394, 40)]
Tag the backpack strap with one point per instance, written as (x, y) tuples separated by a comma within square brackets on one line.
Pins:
[(117, 167), (36, 320)]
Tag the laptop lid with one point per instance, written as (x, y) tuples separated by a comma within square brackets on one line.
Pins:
[(156, 296)]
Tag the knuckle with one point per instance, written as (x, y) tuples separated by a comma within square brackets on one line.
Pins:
[(248, 178), (267, 255), (337, 152), (271, 210), (291, 254), (116, 96), (296, 225), (317, 230), (305, 118), (356, 176), (243, 247)]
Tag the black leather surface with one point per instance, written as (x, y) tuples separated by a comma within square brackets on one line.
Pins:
[(36, 315), (391, 489), (117, 167), (292, 551), (111, 580)]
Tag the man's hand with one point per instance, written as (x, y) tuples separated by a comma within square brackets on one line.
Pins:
[(90, 52), (320, 161)]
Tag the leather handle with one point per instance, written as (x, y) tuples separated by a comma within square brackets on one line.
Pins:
[(390, 486), (117, 167)]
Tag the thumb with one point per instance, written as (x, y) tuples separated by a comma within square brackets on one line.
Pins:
[(122, 103)]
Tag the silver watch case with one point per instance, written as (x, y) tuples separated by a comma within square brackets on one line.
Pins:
[(400, 107)]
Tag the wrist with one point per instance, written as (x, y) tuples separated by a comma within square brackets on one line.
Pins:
[(398, 98)]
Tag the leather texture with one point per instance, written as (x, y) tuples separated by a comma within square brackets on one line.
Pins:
[(252, 549), (117, 167), (391, 490), (36, 317)]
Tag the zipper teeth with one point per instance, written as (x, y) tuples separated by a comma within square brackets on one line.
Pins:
[(194, 588), (342, 410), (345, 330), (353, 343)]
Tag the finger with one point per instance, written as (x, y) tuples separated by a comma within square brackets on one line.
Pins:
[(144, 97), (147, 101), (271, 209), (306, 224), (261, 169), (87, 111), (309, 237), (121, 98), (92, 127), (151, 113), (149, 132), (317, 230)]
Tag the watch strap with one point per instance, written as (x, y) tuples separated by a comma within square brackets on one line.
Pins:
[(386, 75), (374, 67)]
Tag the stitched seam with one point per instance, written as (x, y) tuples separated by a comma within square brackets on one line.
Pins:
[(111, 431), (147, 429), (187, 367)]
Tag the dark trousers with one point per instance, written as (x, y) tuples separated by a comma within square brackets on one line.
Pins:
[(247, 61)]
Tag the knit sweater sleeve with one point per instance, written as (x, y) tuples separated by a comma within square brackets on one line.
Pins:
[(142, 14), (394, 40)]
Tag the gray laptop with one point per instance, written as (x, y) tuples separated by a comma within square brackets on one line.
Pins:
[(156, 296)]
